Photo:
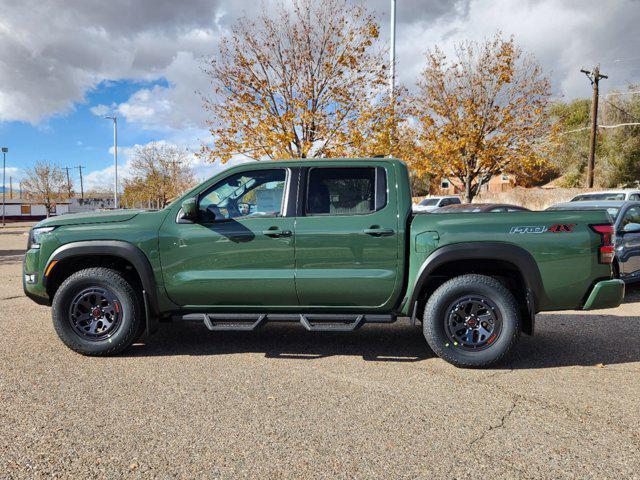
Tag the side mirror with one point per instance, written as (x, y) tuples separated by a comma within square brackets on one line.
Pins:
[(190, 209), (631, 228)]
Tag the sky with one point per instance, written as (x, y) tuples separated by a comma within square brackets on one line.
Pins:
[(66, 63)]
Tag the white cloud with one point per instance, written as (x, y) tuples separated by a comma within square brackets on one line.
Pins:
[(563, 36), (176, 106), (103, 179), (102, 110), (52, 52)]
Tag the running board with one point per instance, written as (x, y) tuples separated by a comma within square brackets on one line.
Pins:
[(243, 322)]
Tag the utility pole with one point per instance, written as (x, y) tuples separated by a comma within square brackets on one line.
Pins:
[(392, 75), (594, 77), (79, 167), (68, 183), (10, 187)]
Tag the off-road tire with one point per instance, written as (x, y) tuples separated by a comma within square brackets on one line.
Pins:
[(435, 318), (131, 321)]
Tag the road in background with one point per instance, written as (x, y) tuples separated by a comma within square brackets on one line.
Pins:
[(287, 403)]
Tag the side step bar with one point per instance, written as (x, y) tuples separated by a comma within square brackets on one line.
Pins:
[(312, 322)]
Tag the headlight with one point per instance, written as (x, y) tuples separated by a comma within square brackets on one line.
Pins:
[(36, 236)]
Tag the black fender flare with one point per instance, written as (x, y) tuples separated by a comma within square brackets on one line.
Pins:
[(502, 251), (124, 250)]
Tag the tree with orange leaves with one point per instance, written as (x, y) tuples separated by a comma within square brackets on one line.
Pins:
[(483, 113), (305, 81)]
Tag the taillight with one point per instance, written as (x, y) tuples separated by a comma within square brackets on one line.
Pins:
[(607, 249)]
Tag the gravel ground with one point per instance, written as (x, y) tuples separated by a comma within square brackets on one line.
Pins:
[(286, 403)]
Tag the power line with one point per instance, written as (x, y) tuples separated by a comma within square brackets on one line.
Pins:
[(621, 109), (618, 60), (601, 126), (633, 92), (620, 125)]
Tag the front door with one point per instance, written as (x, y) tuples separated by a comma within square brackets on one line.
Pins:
[(347, 242), (240, 250)]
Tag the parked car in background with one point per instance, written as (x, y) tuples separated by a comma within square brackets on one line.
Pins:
[(429, 204), (620, 195), (626, 221), (481, 207)]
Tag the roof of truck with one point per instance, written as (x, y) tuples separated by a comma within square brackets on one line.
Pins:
[(298, 161)]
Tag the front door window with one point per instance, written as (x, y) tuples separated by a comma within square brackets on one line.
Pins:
[(257, 193)]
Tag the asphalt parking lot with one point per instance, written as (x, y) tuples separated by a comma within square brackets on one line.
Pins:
[(286, 403)]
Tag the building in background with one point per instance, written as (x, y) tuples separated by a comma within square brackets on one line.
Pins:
[(498, 183), (24, 210)]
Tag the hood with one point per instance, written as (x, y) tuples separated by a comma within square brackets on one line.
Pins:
[(108, 216)]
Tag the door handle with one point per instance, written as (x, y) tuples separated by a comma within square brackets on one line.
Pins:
[(379, 232), (275, 232)]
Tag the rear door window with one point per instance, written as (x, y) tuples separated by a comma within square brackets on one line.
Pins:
[(345, 191)]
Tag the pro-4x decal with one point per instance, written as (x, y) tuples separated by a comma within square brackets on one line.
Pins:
[(557, 228)]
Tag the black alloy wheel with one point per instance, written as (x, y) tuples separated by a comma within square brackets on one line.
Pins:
[(95, 313)]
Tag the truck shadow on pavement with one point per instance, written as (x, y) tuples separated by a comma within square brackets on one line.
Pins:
[(560, 340), (382, 343)]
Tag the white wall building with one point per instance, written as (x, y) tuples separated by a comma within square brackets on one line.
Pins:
[(23, 209)]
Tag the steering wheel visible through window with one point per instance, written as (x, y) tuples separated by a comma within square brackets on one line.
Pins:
[(255, 193)]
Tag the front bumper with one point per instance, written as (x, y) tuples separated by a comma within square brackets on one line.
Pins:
[(35, 291), (605, 294)]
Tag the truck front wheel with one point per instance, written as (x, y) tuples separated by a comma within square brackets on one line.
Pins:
[(96, 312), (471, 321)]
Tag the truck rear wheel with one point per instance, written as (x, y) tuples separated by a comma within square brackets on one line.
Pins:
[(96, 312), (471, 321)]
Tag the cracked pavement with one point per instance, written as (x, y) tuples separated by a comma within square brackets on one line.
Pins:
[(287, 403)]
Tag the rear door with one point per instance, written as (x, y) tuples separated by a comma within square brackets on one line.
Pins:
[(346, 237)]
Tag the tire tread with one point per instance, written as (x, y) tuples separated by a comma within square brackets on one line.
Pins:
[(442, 292)]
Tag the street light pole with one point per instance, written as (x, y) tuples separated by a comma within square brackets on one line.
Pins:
[(4, 187), (392, 53), (115, 158)]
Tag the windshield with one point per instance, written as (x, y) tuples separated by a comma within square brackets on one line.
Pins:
[(598, 196), (429, 202)]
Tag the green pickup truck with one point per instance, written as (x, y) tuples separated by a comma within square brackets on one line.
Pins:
[(329, 243)]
